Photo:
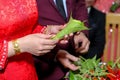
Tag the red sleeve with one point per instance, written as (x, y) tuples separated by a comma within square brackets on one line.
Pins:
[(39, 29), (3, 53)]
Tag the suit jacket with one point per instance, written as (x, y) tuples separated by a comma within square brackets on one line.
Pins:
[(96, 33), (49, 15)]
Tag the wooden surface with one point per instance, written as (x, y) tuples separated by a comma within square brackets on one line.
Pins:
[(112, 46)]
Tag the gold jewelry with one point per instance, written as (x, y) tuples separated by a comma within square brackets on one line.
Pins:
[(16, 47)]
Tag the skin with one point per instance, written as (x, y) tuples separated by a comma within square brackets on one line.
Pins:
[(64, 57), (35, 44), (54, 29), (40, 44), (81, 38)]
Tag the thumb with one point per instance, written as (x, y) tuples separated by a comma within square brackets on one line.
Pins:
[(45, 36), (76, 42)]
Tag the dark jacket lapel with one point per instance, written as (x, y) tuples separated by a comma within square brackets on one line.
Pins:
[(53, 4), (68, 4)]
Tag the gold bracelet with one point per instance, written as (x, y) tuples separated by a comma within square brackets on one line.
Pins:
[(16, 47)]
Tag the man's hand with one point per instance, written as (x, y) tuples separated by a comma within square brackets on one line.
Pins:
[(67, 59), (81, 43)]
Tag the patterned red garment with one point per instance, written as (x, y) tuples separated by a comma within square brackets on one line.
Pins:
[(17, 19), (104, 5)]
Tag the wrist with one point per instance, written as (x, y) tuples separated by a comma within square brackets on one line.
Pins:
[(16, 48)]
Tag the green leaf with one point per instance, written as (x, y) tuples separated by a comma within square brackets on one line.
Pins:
[(72, 26), (89, 68), (72, 76), (118, 65)]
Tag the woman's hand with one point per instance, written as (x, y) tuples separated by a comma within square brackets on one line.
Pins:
[(54, 29), (66, 59), (81, 43), (37, 44)]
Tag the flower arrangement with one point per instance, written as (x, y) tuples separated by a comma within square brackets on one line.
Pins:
[(94, 69)]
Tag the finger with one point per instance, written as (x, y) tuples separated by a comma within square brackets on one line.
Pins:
[(48, 42), (76, 43), (66, 60), (80, 49), (63, 41), (83, 45), (56, 30), (86, 49), (64, 26), (71, 66), (46, 36), (42, 52), (71, 57), (76, 46), (78, 33), (66, 37), (47, 47), (45, 51), (71, 34)]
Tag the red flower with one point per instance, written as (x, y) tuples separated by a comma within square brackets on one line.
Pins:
[(114, 74)]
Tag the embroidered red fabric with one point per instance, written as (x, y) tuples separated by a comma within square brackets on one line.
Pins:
[(104, 5), (3, 53), (17, 19)]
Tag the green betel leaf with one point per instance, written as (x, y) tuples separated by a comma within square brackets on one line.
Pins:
[(72, 26), (72, 76), (94, 69)]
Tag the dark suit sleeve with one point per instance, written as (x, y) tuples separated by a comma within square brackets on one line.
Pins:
[(96, 34)]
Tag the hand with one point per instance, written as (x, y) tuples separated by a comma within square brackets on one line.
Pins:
[(37, 44), (81, 38), (54, 29), (66, 59)]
